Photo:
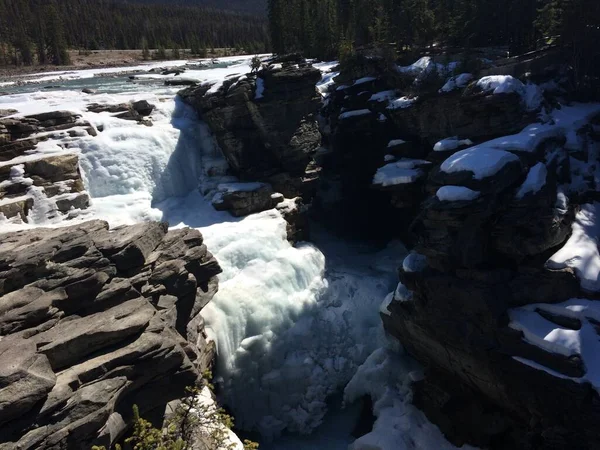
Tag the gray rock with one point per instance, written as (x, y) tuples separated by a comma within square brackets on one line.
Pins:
[(79, 344), (25, 378)]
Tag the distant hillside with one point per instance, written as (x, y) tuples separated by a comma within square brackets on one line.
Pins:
[(255, 7), (41, 30)]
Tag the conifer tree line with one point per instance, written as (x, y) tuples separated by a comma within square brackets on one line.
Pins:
[(41, 31), (320, 28)]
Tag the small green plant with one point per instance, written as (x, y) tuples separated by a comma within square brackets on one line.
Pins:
[(195, 424), (255, 64)]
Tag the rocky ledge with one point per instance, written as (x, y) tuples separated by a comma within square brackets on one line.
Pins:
[(93, 321), (27, 175)]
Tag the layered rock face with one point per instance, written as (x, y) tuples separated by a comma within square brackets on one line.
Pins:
[(491, 196), (265, 124), (25, 176), (378, 113), (93, 321)]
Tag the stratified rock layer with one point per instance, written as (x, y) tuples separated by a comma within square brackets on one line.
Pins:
[(93, 321), (27, 176)]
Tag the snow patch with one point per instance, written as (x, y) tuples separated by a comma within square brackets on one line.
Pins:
[(535, 181), (451, 143), (482, 161), (456, 194), (457, 82), (386, 378), (531, 94), (383, 96), (581, 250), (404, 171), (359, 112), (395, 142), (414, 262), (561, 340)]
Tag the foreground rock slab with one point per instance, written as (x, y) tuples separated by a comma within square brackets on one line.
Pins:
[(93, 321)]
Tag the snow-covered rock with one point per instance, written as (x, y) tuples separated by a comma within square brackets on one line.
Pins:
[(456, 194), (481, 161)]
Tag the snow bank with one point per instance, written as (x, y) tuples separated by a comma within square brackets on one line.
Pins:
[(581, 250), (535, 181), (561, 340), (456, 194), (451, 143), (482, 161)]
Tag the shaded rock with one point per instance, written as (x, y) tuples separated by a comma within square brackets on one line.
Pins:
[(242, 199)]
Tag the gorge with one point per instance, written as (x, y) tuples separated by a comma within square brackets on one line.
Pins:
[(260, 218)]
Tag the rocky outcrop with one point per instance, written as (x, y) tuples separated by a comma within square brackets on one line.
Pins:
[(491, 220), (265, 124), (134, 110), (27, 177), (93, 321)]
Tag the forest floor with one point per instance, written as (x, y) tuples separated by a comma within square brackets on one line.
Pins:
[(104, 58)]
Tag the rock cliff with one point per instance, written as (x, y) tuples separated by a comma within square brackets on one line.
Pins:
[(491, 191), (93, 321)]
